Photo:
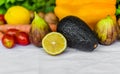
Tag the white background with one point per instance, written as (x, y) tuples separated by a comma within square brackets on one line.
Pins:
[(33, 60)]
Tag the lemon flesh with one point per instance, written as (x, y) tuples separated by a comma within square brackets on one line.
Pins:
[(54, 43)]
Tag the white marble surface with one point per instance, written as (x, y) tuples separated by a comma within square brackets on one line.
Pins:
[(32, 60)]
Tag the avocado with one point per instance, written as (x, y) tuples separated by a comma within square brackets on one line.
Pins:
[(77, 33)]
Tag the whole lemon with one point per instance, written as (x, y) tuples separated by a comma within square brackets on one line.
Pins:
[(17, 15)]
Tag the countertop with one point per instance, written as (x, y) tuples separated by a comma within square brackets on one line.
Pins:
[(33, 60)]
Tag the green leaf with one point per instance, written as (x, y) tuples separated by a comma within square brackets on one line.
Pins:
[(49, 9), (8, 5), (117, 11), (2, 2), (40, 4), (27, 5), (12, 1), (2, 10), (34, 1), (7, 1), (20, 0)]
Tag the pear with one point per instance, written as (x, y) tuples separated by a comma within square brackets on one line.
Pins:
[(39, 28)]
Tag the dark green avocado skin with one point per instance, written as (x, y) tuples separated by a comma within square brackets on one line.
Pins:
[(77, 33)]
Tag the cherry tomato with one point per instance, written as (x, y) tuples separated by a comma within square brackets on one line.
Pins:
[(2, 20), (8, 41), (22, 38), (12, 32)]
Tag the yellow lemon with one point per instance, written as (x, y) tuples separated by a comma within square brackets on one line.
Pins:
[(54, 43), (17, 15)]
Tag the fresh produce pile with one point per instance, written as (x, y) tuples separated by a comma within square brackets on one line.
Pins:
[(55, 25)]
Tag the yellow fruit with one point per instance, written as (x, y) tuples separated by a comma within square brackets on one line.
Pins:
[(54, 43), (17, 15)]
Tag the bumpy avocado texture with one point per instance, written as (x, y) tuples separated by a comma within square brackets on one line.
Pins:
[(77, 33)]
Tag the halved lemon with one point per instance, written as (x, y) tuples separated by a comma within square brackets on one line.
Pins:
[(54, 43)]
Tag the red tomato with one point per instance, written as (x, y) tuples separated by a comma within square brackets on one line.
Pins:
[(8, 41), (12, 32), (2, 20), (22, 38)]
